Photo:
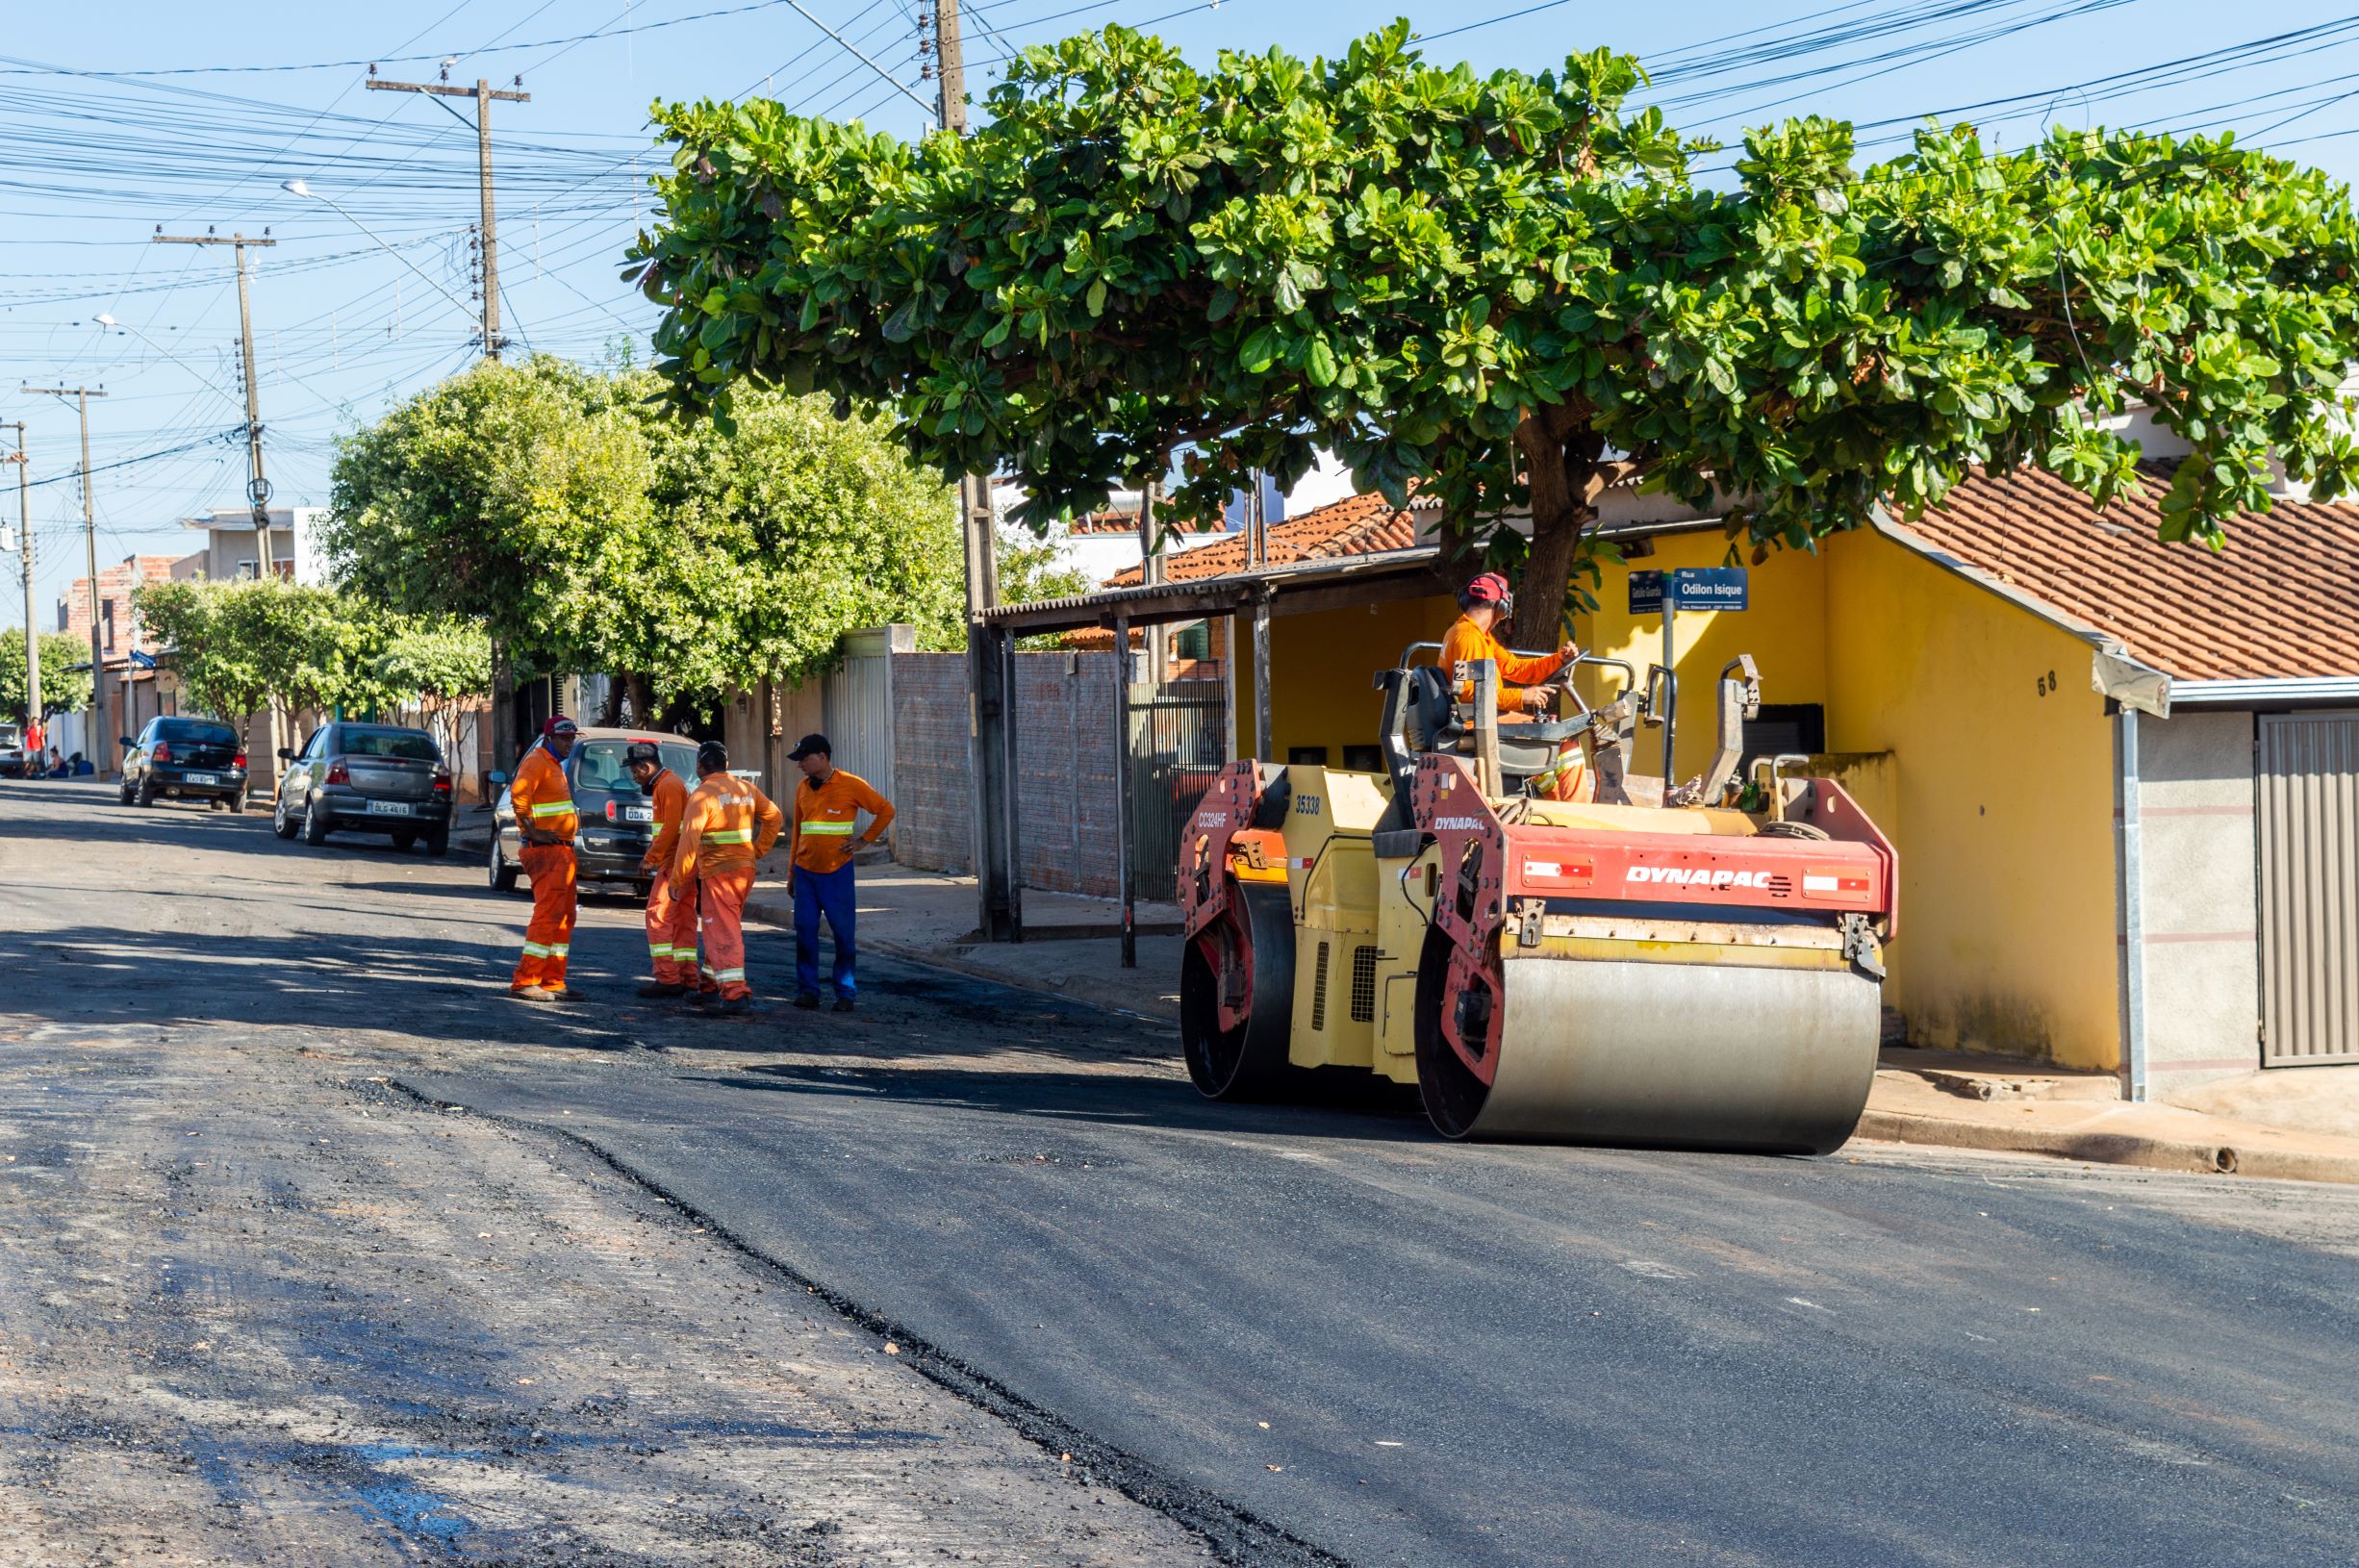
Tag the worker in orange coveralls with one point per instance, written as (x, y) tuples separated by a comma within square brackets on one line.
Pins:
[(729, 826), (547, 822), (1483, 604), (672, 923)]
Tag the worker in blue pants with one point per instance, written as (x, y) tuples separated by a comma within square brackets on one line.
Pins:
[(826, 816)]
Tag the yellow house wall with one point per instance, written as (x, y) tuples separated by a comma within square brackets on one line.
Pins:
[(1324, 663), (2007, 918)]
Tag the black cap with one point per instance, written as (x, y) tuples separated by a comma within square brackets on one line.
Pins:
[(812, 746), (712, 755), (641, 752)]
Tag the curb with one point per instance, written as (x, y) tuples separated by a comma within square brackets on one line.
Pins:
[(2109, 1148)]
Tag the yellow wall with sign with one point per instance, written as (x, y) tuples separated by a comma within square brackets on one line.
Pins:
[(1971, 729)]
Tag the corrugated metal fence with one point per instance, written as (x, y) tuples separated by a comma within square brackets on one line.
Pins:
[(857, 700), (2309, 832)]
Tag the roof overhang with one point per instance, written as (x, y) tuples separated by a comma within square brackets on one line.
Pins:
[(2275, 691), (1298, 587)]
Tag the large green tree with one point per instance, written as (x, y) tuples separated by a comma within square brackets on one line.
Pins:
[(63, 690), (1511, 290), (438, 664), (576, 516)]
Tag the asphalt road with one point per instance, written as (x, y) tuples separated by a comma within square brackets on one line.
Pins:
[(1321, 1334)]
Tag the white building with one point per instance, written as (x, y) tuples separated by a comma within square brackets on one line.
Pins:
[(230, 551)]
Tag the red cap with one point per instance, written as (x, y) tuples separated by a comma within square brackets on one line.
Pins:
[(1489, 588)]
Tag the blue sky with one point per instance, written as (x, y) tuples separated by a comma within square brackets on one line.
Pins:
[(92, 159)]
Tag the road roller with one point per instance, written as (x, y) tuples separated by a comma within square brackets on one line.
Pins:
[(1546, 943)]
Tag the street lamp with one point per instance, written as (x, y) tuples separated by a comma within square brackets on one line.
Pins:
[(297, 188)]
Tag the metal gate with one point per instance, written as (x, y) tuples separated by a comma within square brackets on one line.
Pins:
[(2309, 849), (856, 708), (1178, 743)]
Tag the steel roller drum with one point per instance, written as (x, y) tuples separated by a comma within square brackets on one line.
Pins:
[(1698, 1056)]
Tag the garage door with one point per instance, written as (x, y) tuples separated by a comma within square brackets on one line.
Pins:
[(2309, 825)]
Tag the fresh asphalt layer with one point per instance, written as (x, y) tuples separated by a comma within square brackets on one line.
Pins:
[(1404, 1351)]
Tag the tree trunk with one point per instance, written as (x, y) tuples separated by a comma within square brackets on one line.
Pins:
[(1561, 457), (610, 710), (642, 699)]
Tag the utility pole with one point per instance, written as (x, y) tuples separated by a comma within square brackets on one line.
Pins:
[(101, 746), (503, 675), (24, 535), (483, 92), (991, 696), (257, 487)]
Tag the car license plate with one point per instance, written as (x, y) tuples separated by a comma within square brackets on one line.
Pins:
[(638, 813), (388, 808), (201, 778)]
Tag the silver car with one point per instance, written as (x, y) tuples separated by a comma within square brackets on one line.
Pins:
[(366, 778)]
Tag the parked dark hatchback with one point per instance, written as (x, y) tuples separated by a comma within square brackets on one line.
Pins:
[(366, 778), (193, 759)]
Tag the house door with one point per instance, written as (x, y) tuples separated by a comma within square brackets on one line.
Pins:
[(2309, 849)]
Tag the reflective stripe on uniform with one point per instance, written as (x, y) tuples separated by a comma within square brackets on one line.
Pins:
[(552, 808), (826, 828), (730, 974), (534, 949), (557, 949), (659, 949), (729, 835)]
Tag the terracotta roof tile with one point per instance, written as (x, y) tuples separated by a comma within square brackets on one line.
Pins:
[(2282, 600), (1356, 525)]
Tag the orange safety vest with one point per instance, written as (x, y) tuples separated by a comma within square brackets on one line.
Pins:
[(1465, 643), (542, 797), (826, 820), (728, 827), (671, 796)]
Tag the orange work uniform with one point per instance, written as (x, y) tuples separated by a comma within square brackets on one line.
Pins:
[(1465, 642), (543, 799), (726, 827), (827, 816), (671, 918)]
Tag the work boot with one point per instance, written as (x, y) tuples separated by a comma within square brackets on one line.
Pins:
[(735, 1007), (807, 1001), (663, 988), (529, 993), (842, 1004), (702, 998)]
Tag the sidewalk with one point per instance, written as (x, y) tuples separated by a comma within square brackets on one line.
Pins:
[(2300, 1124), (931, 918)]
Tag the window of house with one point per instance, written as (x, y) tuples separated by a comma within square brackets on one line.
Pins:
[(1784, 727), (247, 572)]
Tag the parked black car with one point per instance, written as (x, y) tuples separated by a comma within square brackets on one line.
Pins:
[(192, 759), (617, 819), (366, 778)]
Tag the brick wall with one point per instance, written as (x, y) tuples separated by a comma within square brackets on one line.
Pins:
[(1065, 797)]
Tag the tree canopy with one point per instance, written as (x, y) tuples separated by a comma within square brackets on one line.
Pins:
[(238, 647), (572, 513), (62, 690), (1513, 290)]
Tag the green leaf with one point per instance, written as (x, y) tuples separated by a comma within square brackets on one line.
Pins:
[(1319, 364)]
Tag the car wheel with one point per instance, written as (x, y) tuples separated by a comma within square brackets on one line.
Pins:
[(235, 804), (503, 875), (123, 794), (147, 791), (438, 843), (315, 825), (280, 823), (404, 843)]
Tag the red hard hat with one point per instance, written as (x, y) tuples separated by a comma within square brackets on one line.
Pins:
[(1489, 588)]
